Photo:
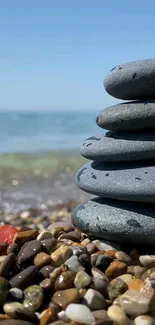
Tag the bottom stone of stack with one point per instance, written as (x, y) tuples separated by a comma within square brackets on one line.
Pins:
[(117, 220)]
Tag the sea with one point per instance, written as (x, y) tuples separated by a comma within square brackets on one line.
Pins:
[(33, 132)]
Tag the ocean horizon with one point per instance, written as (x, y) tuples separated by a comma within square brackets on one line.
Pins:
[(42, 131)]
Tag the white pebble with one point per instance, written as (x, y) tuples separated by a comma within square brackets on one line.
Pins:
[(25, 215), (144, 320), (147, 260), (62, 316), (80, 313), (74, 264), (106, 245)]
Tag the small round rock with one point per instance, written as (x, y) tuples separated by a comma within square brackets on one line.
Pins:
[(117, 315), (33, 297), (144, 320), (11, 307), (16, 293), (80, 313), (82, 280)]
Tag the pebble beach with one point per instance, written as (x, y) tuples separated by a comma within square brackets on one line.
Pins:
[(67, 257), (59, 275)]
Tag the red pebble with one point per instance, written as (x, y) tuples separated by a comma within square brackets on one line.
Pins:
[(7, 233)]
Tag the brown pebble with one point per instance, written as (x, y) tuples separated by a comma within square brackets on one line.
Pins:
[(61, 255), (115, 269), (42, 259), (25, 236), (46, 284), (110, 252), (123, 257), (12, 248), (136, 284), (55, 273), (65, 297), (72, 235), (49, 316), (65, 280), (98, 253), (46, 270), (91, 248), (29, 250), (67, 226)]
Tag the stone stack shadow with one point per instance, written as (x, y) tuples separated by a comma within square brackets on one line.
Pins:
[(121, 172)]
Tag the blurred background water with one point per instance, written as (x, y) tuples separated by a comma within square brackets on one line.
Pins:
[(31, 132)]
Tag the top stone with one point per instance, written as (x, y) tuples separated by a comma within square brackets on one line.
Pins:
[(133, 80)]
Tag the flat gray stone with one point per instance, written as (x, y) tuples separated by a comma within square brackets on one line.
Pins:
[(121, 181), (118, 146), (128, 116), (117, 220), (133, 80)]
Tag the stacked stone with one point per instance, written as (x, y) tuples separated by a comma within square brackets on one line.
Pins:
[(122, 169)]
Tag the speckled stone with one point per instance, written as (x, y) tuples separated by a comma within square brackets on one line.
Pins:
[(33, 297), (121, 181), (119, 146), (128, 221), (133, 80), (128, 116)]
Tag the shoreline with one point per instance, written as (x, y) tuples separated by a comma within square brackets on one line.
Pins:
[(43, 179)]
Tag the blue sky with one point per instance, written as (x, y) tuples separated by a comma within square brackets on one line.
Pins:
[(54, 54)]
